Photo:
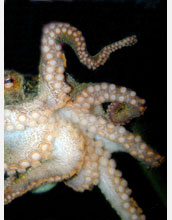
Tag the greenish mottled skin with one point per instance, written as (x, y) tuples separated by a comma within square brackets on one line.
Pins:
[(22, 89), (29, 89)]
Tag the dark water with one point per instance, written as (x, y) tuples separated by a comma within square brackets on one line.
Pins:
[(141, 68)]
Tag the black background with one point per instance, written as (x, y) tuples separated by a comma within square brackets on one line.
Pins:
[(141, 68)]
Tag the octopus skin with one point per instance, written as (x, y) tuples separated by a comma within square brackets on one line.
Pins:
[(55, 136), (120, 113), (18, 89)]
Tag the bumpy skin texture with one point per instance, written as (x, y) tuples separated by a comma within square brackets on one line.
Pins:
[(59, 136), (120, 113), (17, 89)]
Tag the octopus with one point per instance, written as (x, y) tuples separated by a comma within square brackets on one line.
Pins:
[(63, 133)]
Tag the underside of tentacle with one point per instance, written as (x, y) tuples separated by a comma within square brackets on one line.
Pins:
[(34, 177), (116, 191), (97, 94), (88, 175), (63, 133), (70, 35), (53, 60), (116, 138), (37, 153), (99, 169)]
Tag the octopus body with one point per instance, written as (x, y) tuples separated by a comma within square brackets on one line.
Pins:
[(63, 134)]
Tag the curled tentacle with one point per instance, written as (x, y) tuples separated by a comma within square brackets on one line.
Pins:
[(104, 92), (121, 113), (116, 138), (53, 59), (70, 35)]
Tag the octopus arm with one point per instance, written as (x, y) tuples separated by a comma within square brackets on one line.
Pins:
[(122, 140), (121, 113), (99, 169), (47, 172), (65, 33), (89, 174), (117, 193), (34, 177), (95, 95), (53, 87)]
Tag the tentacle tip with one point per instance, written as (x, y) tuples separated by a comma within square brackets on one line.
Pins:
[(142, 109), (157, 162), (160, 161), (135, 38)]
